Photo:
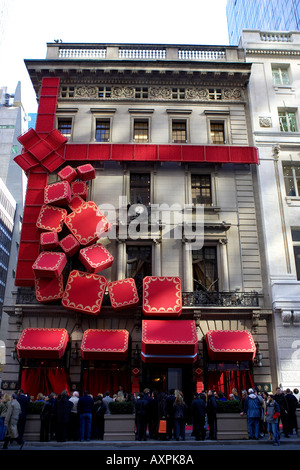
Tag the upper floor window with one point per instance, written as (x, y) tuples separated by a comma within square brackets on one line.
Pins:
[(179, 131), (296, 246), (178, 93), (140, 188), (64, 125), (141, 130), (291, 174), (102, 130), (287, 121), (280, 75), (201, 189), (215, 94), (141, 93), (217, 132)]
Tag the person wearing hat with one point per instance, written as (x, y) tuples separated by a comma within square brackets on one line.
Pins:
[(272, 415)]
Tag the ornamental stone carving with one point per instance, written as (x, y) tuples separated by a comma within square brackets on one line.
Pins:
[(265, 121), (86, 92)]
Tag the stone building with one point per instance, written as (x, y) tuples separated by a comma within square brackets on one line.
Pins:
[(167, 131)]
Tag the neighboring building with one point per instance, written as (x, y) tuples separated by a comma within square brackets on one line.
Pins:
[(274, 99), (263, 15), (165, 127)]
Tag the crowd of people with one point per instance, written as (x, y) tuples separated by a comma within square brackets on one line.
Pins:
[(66, 417)]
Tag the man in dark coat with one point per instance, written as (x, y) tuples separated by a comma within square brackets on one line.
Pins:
[(85, 408), (170, 414), (63, 408), (24, 401), (198, 409), (212, 414), (141, 408), (292, 404), (280, 398)]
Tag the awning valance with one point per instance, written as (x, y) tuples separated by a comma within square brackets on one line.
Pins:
[(108, 345), (42, 343), (227, 345), (169, 341)]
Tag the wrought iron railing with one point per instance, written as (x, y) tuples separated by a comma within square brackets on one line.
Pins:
[(220, 299)]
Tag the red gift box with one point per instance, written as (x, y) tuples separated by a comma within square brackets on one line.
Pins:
[(86, 172), (84, 292), (105, 345), (49, 240), (123, 294), (79, 188), (76, 202), (69, 245), (95, 258), (49, 264), (67, 174), (87, 223), (47, 290), (51, 218), (57, 193), (162, 296)]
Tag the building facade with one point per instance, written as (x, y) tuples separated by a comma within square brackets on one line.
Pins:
[(165, 132), (274, 98), (263, 15)]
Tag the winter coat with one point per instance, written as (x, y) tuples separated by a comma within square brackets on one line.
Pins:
[(198, 408), (12, 418), (252, 406), (272, 408), (85, 405), (3, 409), (63, 408), (179, 410)]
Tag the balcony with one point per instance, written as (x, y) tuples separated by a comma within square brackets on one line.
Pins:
[(220, 299)]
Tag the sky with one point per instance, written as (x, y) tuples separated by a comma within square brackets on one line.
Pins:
[(28, 25)]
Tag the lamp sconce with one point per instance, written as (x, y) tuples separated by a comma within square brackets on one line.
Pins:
[(75, 352), (14, 354), (258, 356)]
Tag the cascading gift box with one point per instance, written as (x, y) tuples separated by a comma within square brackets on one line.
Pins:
[(49, 264), (79, 188), (84, 292), (68, 173), (58, 194), (48, 290), (162, 296), (51, 218), (87, 223), (86, 172), (49, 240), (123, 294), (95, 258), (69, 245)]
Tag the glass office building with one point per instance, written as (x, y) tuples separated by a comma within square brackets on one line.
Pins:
[(268, 15)]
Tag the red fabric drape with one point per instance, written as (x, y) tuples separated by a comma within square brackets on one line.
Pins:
[(99, 381), (44, 380), (225, 381)]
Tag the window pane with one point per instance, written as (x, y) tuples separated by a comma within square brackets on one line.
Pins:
[(179, 132), (296, 235), (292, 122), (201, 189), (102, 130), (140, 188), (140, 132), (217, 132), (65, 127), (139, 263), (289, 180), (297, 260), (205, 270)]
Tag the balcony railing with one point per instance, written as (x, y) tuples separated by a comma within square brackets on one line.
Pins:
[(220, 299)]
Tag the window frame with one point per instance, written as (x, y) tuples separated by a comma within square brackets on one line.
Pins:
[(296, 247), (61, 118), (288, 111), (281, 68)]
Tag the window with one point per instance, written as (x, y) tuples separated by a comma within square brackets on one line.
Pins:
[(140, 188), (178, 93), (102, 130), (104, 92), (217, 132), (201, 189), (214, 94), (280, 75), (287, 121), (296, 245), (65, 126), (205, 269), (179, 131), (141, 93), (138, 263), (141, 130), (291, 174)]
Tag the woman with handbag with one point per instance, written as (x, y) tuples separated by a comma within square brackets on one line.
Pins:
[(272, 415)]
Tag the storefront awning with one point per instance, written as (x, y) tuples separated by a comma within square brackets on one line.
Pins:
[(226, 345), (169, 341), (42, 343), (107, 345)]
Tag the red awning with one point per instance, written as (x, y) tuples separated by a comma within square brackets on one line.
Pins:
[(42, 343), (107, 345), (226, 345), (169, 341)]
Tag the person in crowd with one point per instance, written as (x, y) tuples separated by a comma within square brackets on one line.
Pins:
[(107, 400), (40, 398), (280, 398), (11, 422), (46, 415), (141, 406), (198, 409), (253, 410), (153, 420), (73, 428), (235, 394), (272, 416), (162, 414), (180, 409), (292, 404), (211, 411), (63, 408), (221, 396), (3, 410), (24, 401), (85, 410), (265, 396), (243, 397), (170, 413), (99, 411)]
